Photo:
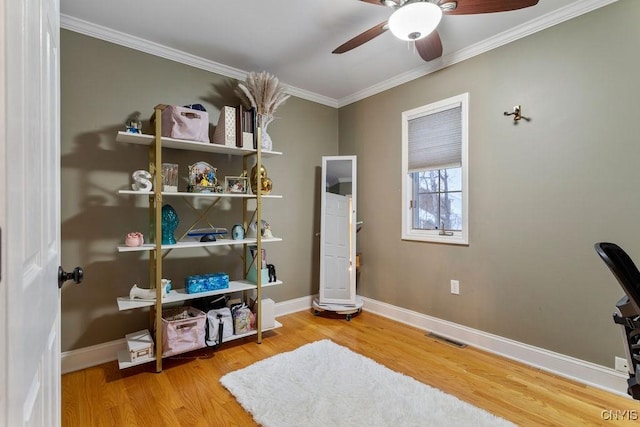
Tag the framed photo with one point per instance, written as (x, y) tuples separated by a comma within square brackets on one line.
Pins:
[(236, 184)]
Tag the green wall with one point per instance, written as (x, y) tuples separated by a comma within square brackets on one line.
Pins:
[(541, 192), (102, 85)]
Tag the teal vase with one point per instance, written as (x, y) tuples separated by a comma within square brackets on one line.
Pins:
[(169, 224)]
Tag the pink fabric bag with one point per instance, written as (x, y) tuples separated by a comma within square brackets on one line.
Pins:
[(183, 329), (185, 123)]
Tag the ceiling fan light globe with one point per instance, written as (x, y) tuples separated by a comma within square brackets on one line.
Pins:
[(415, 20)]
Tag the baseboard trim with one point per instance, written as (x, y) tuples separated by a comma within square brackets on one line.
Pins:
[(569, 367), (75, 360), (565, 366)]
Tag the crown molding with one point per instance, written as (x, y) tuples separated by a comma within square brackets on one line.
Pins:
[(561, 15), (156, 49)]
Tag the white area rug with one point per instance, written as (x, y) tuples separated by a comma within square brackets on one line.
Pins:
[(325, 384)]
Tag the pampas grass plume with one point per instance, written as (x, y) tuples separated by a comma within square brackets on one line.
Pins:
[(262, 91)]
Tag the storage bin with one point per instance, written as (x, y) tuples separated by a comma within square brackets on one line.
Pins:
[(213, 323), (140, 345), (252, 275), (243, 319), (225, 132), (268, 315), (183, 329), (185, 123), (206, 282)]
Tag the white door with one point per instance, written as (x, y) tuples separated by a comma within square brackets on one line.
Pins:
[(338, 231), (30, 214)]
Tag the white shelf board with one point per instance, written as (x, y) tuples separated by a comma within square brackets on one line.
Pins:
[(204, 195), (125, 362), (250, 333), (179, 295), (187, 244), (183, 144)]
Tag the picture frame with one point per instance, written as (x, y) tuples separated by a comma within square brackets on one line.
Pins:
[(236, 184)]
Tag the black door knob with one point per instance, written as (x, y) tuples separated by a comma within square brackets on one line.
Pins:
[(76, 275)]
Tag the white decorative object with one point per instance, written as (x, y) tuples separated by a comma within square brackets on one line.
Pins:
[(267, 232), (225, 133), (141, 180), (266, 144), (149, 294)]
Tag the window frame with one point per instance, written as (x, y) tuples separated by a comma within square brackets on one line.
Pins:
[(409, 233)]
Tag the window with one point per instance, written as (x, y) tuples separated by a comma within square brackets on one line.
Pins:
[(435, 172)]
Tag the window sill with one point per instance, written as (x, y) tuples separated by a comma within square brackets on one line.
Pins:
[(456, 239)]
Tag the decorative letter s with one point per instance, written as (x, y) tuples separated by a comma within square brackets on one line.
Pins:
[(142, 180)]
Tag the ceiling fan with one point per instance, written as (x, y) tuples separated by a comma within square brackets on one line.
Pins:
[(416, 20)]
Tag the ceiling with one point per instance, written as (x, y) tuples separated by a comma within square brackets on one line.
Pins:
[(293, 39)]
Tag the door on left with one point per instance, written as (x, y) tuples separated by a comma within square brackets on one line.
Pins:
[(30, 213)]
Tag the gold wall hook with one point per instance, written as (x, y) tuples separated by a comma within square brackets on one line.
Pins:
[(517, 114)]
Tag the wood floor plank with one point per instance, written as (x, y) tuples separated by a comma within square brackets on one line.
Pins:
[(188, 391)]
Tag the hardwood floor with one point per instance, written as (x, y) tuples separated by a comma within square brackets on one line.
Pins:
[(188, 393)]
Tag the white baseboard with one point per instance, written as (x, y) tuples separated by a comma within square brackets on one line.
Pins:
[(294, 305), (569, 367), (87, 357)]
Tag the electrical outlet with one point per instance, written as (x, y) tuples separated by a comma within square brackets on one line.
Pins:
[(621, 365), (455, 287)]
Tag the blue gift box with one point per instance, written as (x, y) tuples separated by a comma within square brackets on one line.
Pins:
[(206, 282)]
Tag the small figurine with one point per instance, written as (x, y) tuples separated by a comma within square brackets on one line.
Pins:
[(267, 231), (272, 272), (149, 294), (134, 126)]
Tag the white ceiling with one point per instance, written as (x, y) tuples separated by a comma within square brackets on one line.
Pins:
[(293, 39)]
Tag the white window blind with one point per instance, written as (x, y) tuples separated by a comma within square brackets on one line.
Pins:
[(435, 140)]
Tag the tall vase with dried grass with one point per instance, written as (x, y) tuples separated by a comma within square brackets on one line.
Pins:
[(263, 92)]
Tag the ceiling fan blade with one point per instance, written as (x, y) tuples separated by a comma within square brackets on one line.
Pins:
[(469, 7), (362, 38), (378, 2), (430, 47)]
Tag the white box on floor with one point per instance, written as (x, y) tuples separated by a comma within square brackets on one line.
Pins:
[(140, 345)]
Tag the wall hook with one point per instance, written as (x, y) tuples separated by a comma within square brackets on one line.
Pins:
[(517, 114)]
